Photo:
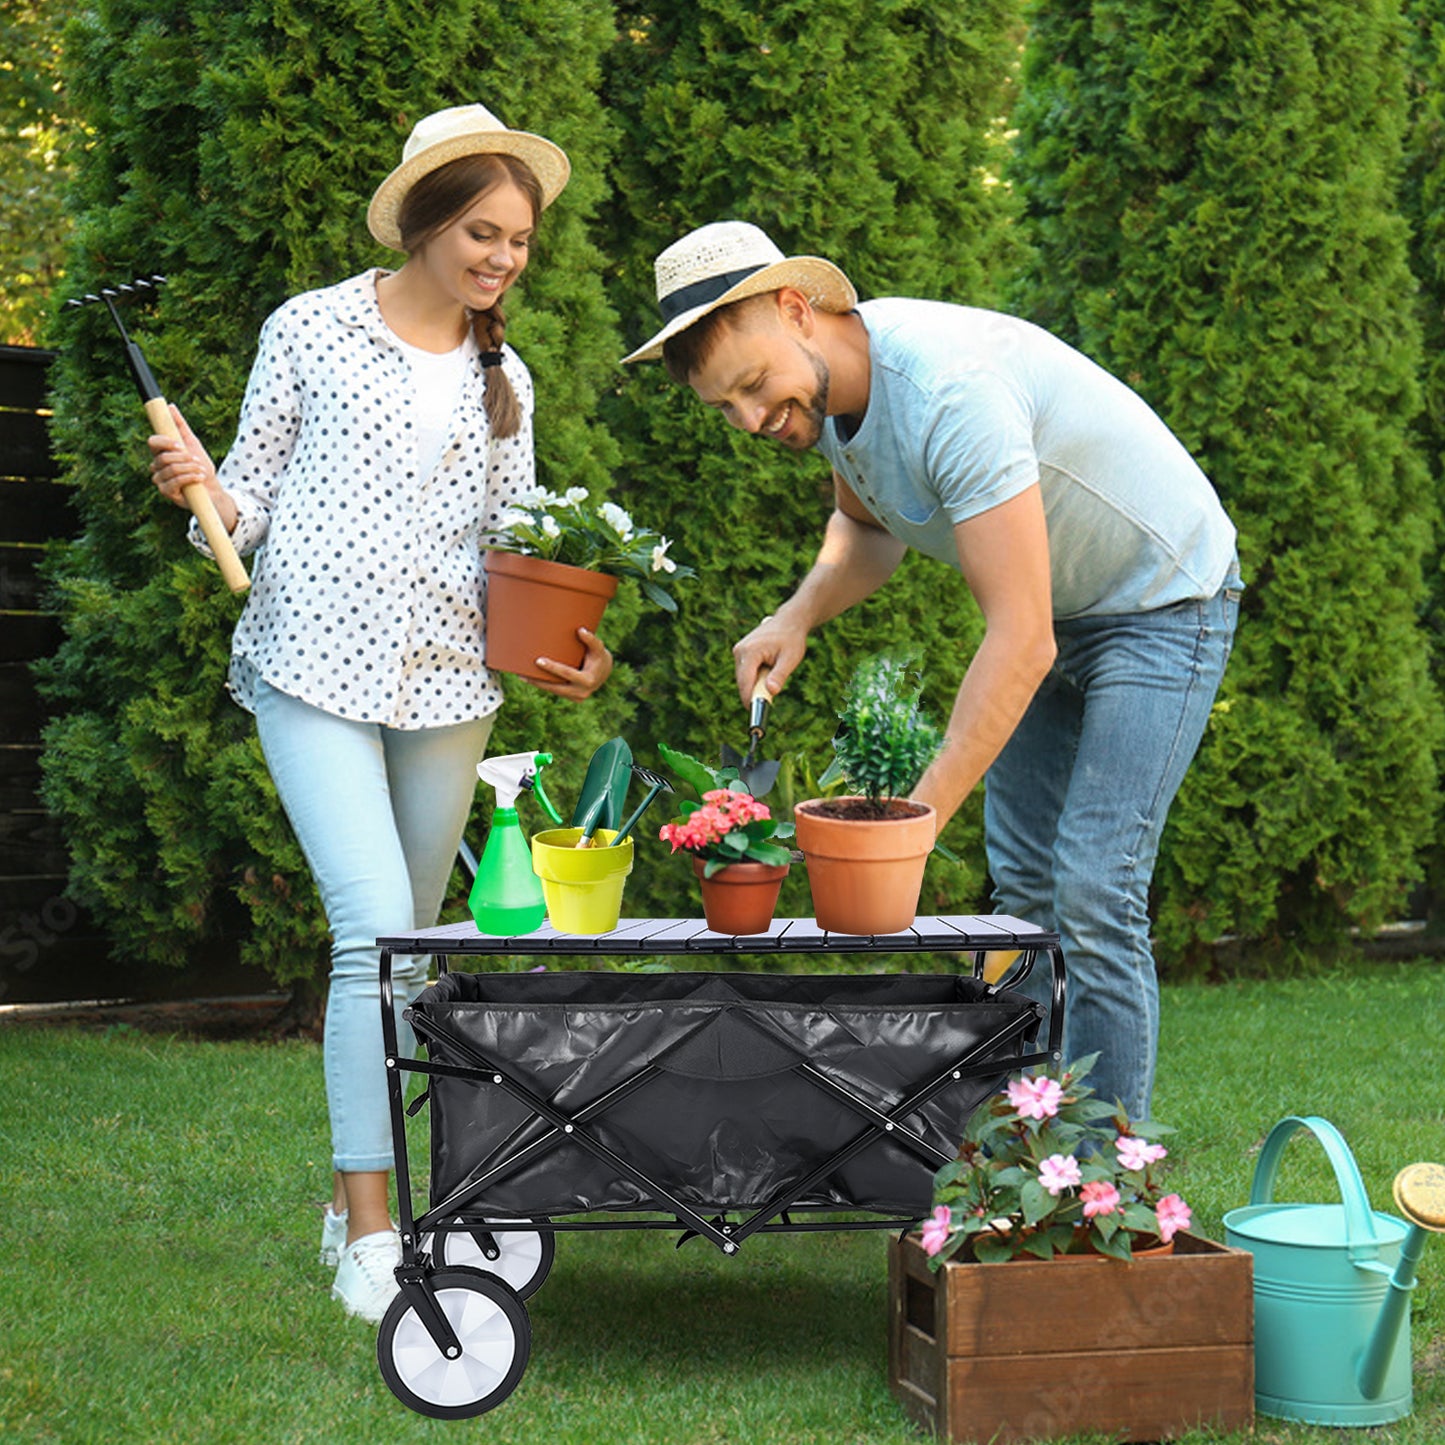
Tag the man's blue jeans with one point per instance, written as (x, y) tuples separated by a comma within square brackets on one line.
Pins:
[(1076, 802), (378, 813)]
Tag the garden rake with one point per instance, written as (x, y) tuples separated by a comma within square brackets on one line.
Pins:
[(656, 784), (159, 414)]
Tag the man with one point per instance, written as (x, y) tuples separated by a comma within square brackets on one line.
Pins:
[(1099, 555)]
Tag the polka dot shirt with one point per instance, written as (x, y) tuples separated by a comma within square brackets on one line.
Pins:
[(368, 594)]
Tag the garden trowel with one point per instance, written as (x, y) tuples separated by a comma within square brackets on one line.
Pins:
[(756, 775), (599, 805)]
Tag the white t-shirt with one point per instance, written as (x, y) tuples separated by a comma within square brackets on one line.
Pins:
[(968, 408), (437, 379)]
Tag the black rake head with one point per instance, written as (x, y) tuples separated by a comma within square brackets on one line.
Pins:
[(108, 295)]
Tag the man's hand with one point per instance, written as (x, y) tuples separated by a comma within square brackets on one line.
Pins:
[(768, 655)]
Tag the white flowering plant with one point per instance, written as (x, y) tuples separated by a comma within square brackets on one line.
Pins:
[(1046, 1168), (570, 528)]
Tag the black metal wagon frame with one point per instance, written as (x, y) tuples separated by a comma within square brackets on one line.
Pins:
[(438, 1347)]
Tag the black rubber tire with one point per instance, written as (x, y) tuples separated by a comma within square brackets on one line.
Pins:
[(496, 1339), (527, 1255)]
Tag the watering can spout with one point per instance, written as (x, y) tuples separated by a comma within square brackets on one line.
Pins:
[(1420, 1195)]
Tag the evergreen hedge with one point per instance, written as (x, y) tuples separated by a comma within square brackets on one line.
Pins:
[(1212, 203), (234, 149), (1212, 192), (1423, 203), (866, 133)]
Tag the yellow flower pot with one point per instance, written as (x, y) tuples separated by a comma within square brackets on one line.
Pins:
[(582, 886)]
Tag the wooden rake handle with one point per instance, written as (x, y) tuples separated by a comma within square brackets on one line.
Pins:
[(198, 499)]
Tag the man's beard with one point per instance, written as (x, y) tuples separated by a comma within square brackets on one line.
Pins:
[(812, 411)]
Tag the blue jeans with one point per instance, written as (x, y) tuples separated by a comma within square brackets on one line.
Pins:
[(1076, 802), (378, 813)]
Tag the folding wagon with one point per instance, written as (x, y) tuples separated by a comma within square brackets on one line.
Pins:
[(720, 1104)]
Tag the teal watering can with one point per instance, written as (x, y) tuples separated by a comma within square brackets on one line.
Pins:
[(1332, 1287)]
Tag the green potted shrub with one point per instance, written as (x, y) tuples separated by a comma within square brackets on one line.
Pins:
[(866, 850)]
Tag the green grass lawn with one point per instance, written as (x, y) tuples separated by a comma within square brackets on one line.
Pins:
[(160, 1202)]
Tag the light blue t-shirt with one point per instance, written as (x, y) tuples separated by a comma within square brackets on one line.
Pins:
[(968, 408)]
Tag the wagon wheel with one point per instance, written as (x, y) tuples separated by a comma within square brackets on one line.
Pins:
[(524, 1261), (491, 1324)]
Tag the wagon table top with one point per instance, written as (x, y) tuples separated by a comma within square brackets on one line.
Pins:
[(953, 933)]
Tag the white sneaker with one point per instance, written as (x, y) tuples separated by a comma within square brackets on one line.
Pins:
[(366, 1277), (333, 1237)]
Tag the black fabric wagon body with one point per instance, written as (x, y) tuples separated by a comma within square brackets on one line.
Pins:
[(730, 1110)]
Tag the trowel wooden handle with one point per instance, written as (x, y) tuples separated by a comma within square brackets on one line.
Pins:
[(758, 707), (198, 499)]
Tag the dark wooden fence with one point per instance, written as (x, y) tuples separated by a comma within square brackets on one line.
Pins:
[(49, 949), (41, 931)]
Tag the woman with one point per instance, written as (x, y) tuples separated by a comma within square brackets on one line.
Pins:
[(386, 428)]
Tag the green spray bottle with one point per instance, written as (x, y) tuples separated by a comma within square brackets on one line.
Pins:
[(506, 897)]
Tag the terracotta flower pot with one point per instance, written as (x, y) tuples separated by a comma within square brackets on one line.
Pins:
[(741, 897), (534, 608), (865, 874)]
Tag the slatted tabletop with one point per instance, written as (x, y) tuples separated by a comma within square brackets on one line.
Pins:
[(951, 933)]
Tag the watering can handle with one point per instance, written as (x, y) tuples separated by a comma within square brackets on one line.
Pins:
[(1360, 1237)]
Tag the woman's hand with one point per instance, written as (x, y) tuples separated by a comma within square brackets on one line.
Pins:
[(578, 683), (176, 465)]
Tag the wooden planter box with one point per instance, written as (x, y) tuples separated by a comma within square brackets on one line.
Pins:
[(1037, 1349)]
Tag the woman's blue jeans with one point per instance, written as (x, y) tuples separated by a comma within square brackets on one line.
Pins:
[(378, 813), (1075, 805)]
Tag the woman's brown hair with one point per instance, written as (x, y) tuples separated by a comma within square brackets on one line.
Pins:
[(432, 204)]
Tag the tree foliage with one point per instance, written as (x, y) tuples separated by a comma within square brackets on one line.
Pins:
[(33, 122), (1212, 200), (1212, 192)]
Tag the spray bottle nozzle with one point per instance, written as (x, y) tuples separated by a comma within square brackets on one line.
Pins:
[(514, 773)]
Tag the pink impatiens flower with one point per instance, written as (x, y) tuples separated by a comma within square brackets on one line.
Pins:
[(1173, 1215), (1059, 1172), (1100, 1197), (1137, 1153), (936, 1229), (721, 812), (1036, 1098)]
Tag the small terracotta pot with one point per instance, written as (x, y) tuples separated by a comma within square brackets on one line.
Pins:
[(865, 874), (1159, 1249), (741, 897), (1156, 1248), (534, 608)]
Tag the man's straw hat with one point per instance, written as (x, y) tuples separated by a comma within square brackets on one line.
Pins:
[(460, 130), (726, 261)]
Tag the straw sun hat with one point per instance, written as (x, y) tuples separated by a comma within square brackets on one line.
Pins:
[(460, 130), (726, 261)]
